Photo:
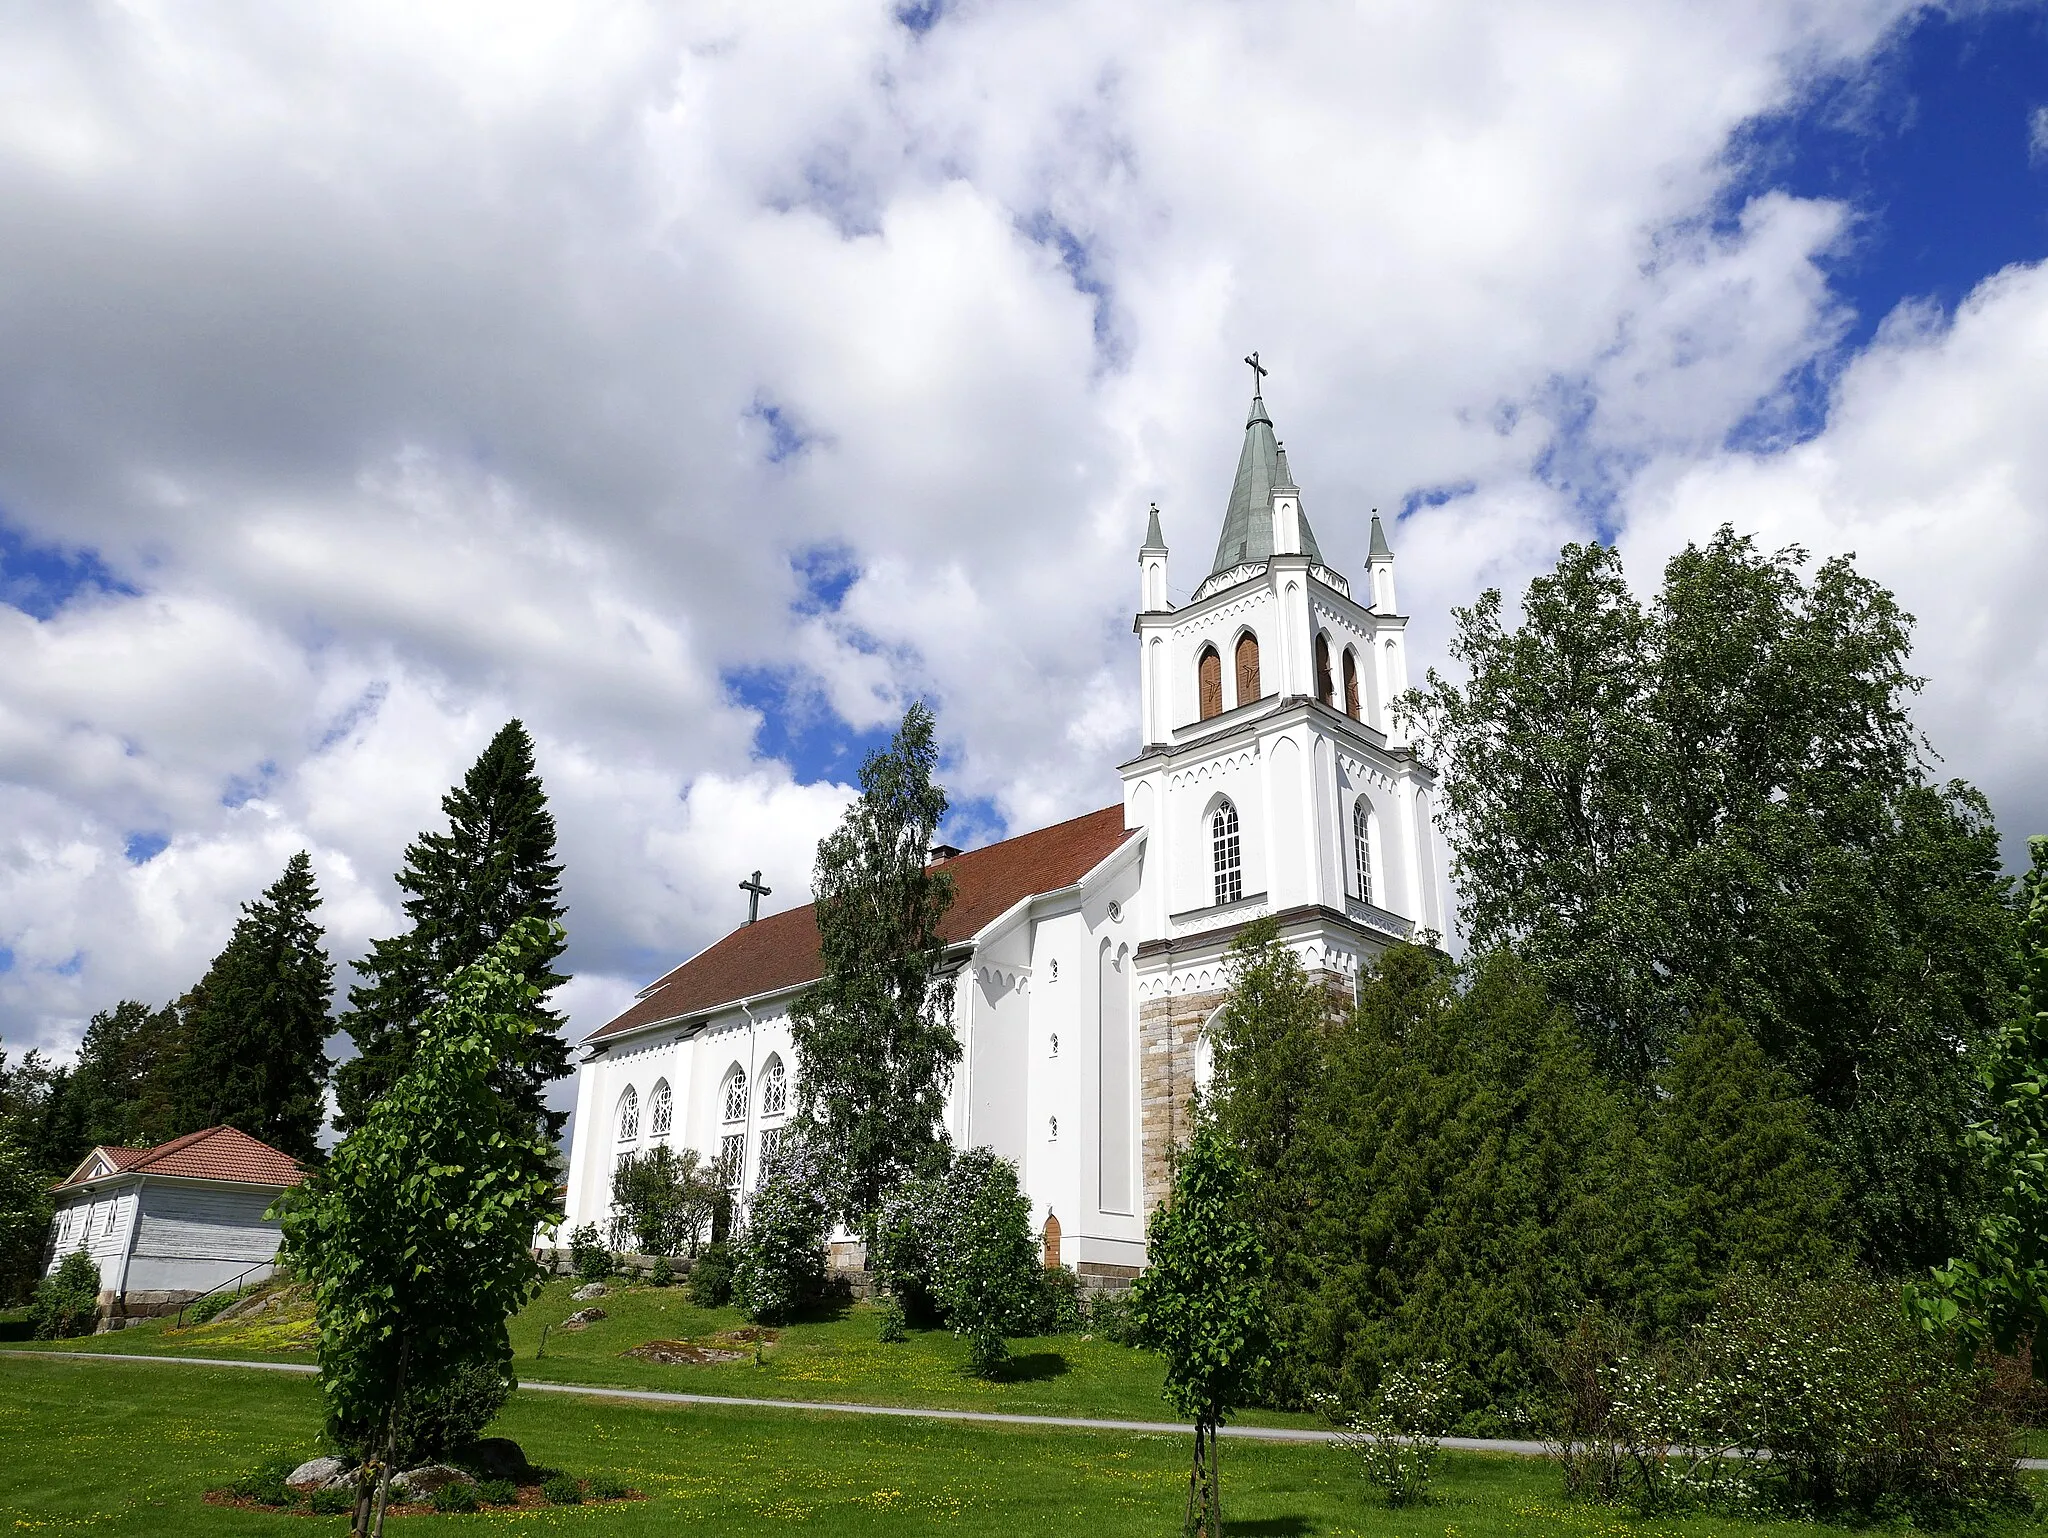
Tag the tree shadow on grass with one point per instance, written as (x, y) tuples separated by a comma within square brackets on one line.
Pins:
[(831, 1309), (1270, 1527), (1032, 1367)]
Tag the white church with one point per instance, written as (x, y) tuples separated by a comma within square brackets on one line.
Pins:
[(1269, 779)]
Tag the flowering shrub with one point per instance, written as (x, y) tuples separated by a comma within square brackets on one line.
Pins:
[(1814, 1397), (1398, 1440), (989, 1285), (957, 1248), (779, 1256)]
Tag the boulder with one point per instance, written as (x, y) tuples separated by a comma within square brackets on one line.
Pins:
[(583, 1318), (497, 1458), (316, 1473), (420, 1484), (588, 1291)]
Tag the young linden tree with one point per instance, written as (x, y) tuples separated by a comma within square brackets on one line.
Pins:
[(1997, 1290), (874, 1036), (1201, 1304), (416, 1234)]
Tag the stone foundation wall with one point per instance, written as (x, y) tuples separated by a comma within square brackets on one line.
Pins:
[(1169, 1030), (1169, 1036)]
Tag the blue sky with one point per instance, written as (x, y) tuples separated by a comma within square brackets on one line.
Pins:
[(706, 402)]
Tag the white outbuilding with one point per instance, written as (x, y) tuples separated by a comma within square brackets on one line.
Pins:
[(168, 1223)]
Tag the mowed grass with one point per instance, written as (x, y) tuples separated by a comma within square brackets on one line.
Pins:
[(129, 1448), (835, 1354)]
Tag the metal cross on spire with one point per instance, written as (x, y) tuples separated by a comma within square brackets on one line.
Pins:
[(1259, 372), (755, 892)]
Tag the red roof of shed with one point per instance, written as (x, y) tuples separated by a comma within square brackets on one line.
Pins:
[(215, 1153), (781, 951)]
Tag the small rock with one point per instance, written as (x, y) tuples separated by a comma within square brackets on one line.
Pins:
[(583, 1318), (588, 1291), (419, 1484), (497, 1458), (315, 1473)]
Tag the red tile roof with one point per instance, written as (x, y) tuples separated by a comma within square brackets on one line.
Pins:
[(781, 951), (216, 1153)]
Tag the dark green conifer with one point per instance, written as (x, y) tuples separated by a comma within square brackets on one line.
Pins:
[(256, 1025), (123, 1088), (465, 890), (1748, 1182)]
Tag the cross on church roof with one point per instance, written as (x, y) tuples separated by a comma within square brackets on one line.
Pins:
[(1259, 372), (755, 892)]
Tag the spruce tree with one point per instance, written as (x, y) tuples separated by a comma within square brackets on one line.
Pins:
[(257, 1023), (1748, 1185), (465, 890), (874, 1036), (123, 1088)]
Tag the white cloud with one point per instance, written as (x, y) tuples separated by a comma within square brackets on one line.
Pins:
[(1933, 471), (2037, 136), (422, 367)]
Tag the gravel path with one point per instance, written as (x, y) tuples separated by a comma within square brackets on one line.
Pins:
[(1066, 1422)]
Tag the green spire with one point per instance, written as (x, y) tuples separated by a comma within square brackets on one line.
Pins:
[(1248, 524), (1381, 550), (1154, 539)]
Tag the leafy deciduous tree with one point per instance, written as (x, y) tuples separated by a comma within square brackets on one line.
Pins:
[(1722, 794), (662, 1199), (466, 889), (1200, 1302), (24, 1219), (1996, 1288), (874, 1036), (416, 1234)]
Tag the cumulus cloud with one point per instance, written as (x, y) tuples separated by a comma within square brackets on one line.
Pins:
[(406, 369), (1933, 472)]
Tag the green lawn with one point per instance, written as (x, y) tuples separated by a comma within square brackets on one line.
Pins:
[(835, 1356), (129, 1448)]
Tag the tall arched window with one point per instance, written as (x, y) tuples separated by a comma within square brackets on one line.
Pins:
[(1351, 684), (1209, 682), (1361, 846), (1226, 857), (736, 1095), (1326, 685), (1247, 668), (629, 1115), (774, 1088), (660, 1110)]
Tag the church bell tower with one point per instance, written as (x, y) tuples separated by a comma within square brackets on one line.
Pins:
[(1271, 779)]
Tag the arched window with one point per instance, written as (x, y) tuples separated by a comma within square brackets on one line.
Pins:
[(1209, 682), (1247, 668), (774, 1088), (1361, 846), (736, 1095), (1227, 858), (1351, 684), (660, 1110), (1326, 683), (629, 1115)]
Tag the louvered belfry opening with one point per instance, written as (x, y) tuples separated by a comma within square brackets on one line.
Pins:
[(1247, 668), (1326, 685), (1209, 679)]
